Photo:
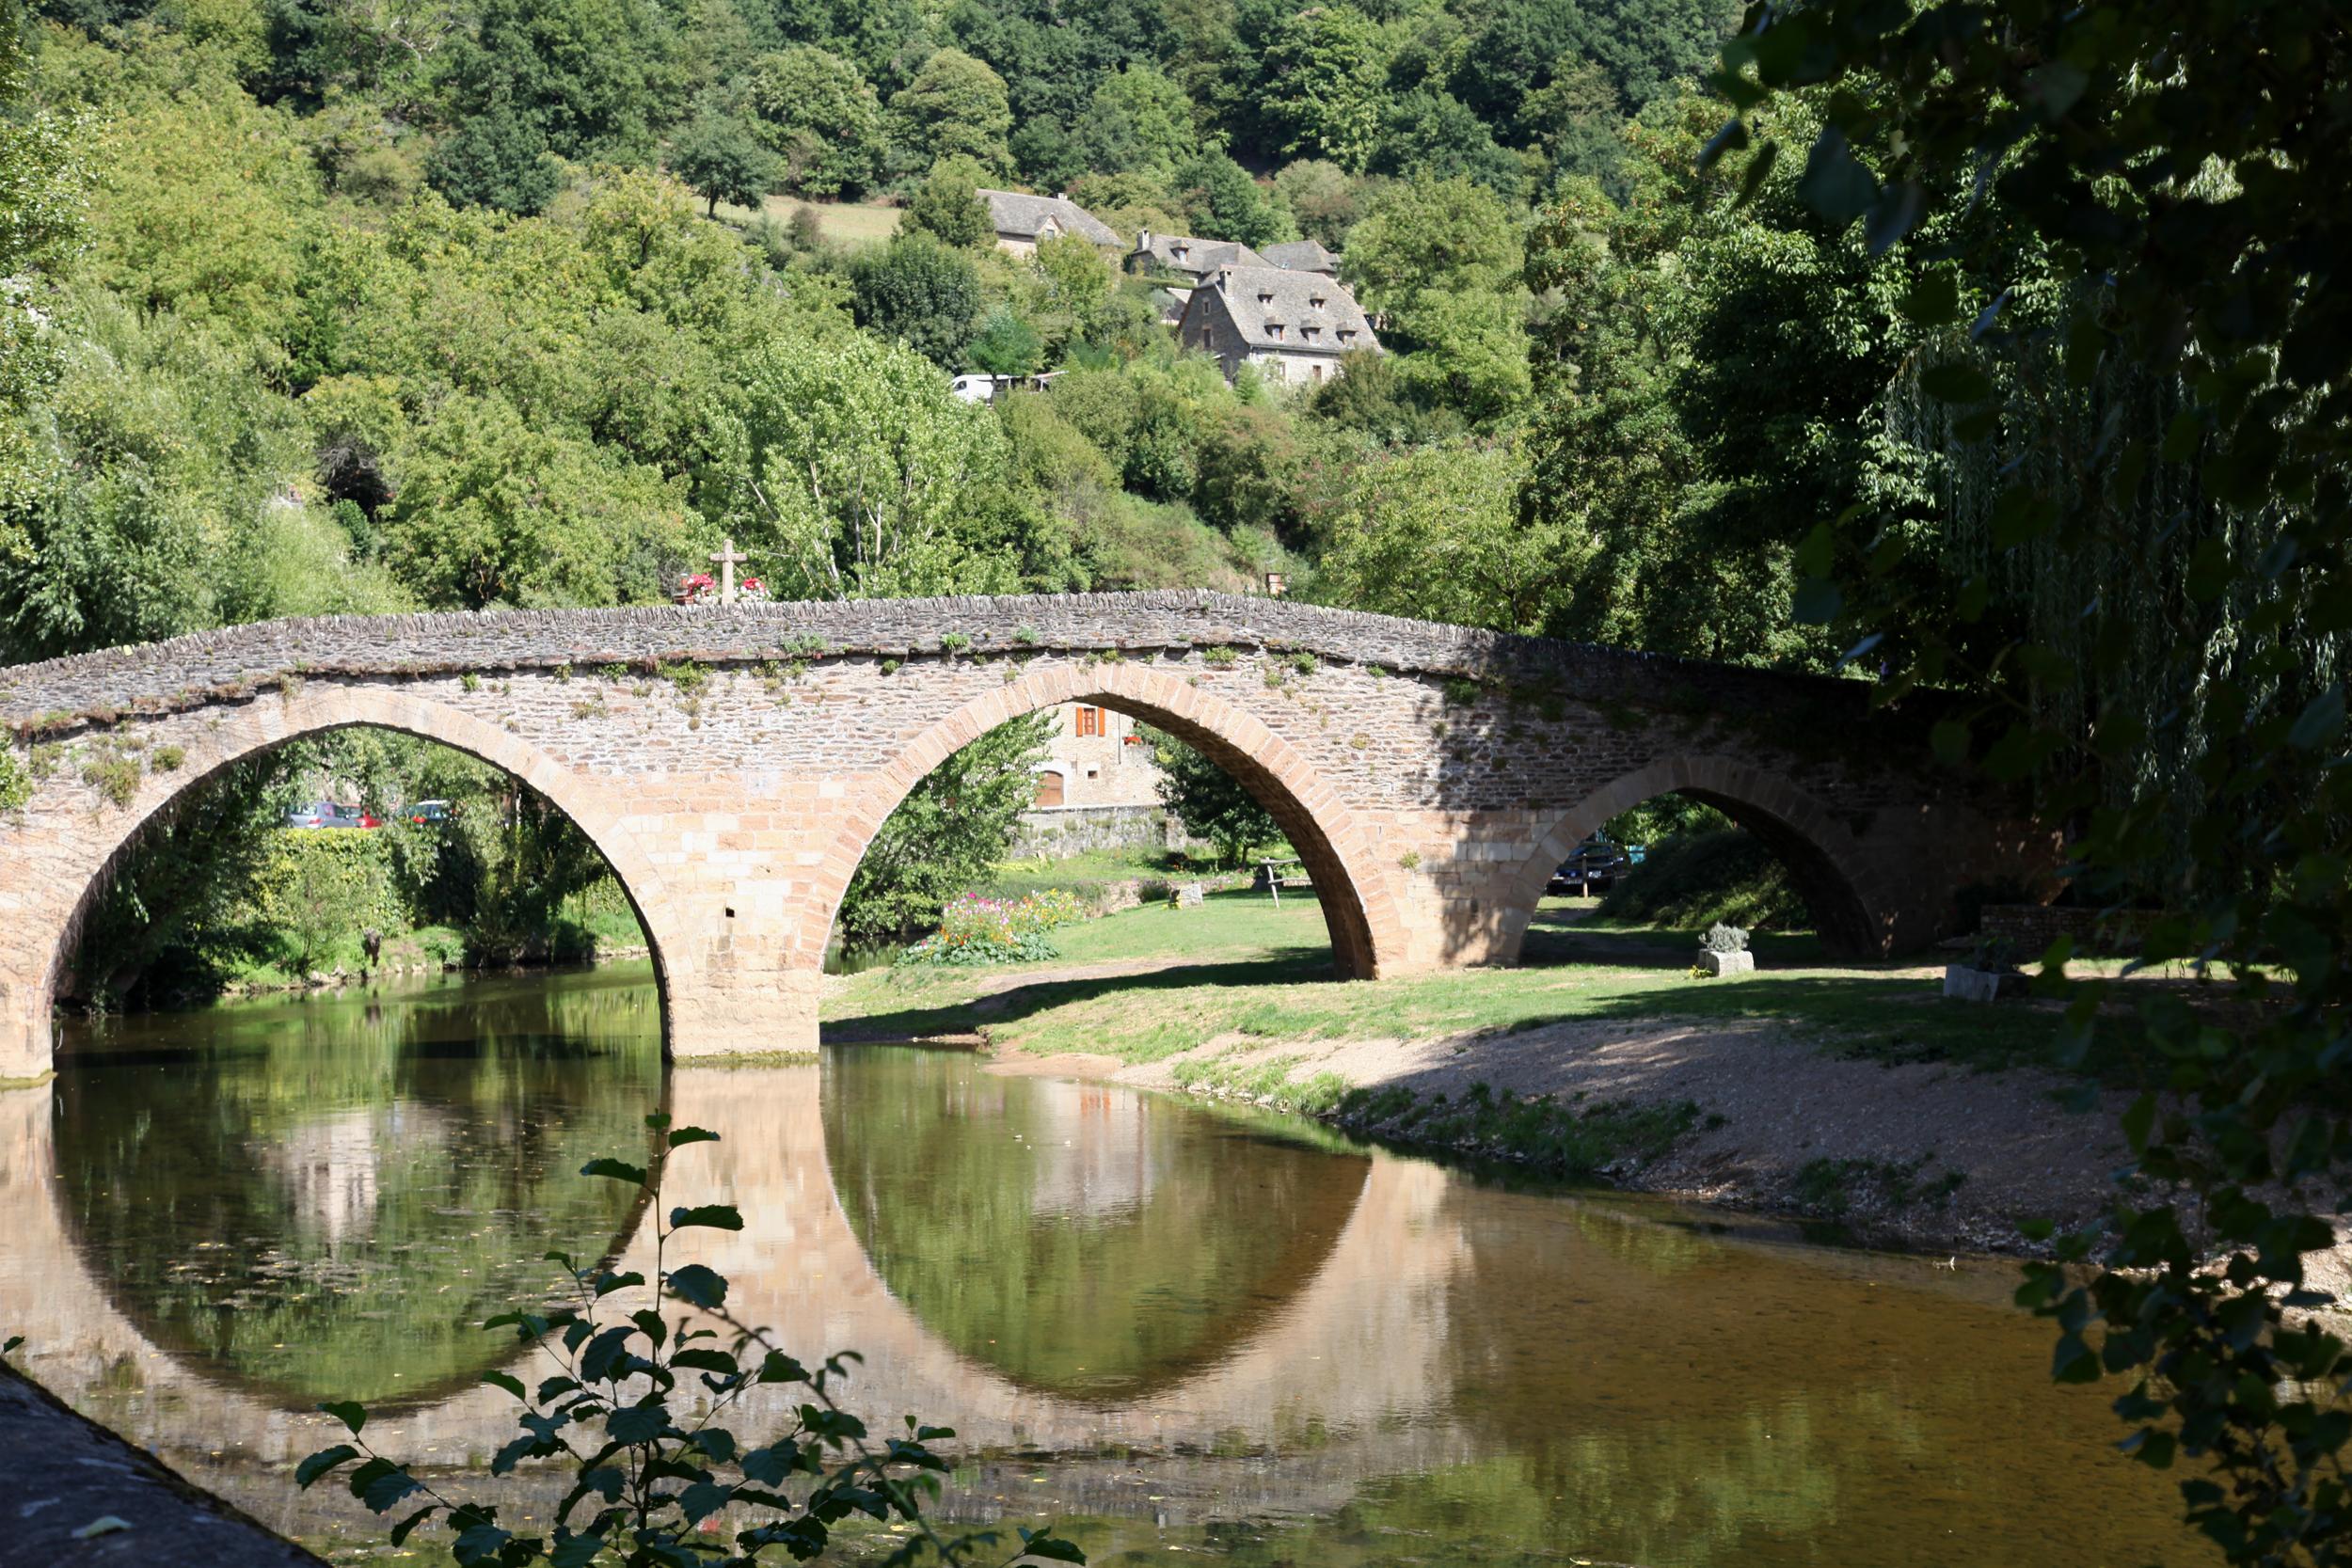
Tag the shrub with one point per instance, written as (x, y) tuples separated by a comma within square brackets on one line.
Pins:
[(1698, 879), (16, 780), (977, 930), (1724, 939)]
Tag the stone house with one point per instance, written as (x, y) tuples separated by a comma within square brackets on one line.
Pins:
[(1098, 788), (1096, 759), (1190, 259), (1303, 255), (1293, 325), (1023, 221)]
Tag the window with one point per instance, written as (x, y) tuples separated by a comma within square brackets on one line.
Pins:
[(1274, 329), (1347, 333), (1049, 789), (1265, 299), (1090, 722), (1310, 333), (1181, 252), (1318, 370), (1316, 301)]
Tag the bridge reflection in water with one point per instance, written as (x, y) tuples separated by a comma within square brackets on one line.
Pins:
[(1168, 1314)]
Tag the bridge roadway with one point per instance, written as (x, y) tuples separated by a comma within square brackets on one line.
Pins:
[(732, 764)]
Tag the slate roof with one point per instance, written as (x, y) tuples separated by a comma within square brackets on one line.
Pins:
[(1302, 256), (1018, 212), (1261, 298), (1184, 253)]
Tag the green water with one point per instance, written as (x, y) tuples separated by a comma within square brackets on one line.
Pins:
[(1173, 1328)]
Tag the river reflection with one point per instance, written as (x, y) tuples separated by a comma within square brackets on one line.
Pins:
[(1171, 1326)]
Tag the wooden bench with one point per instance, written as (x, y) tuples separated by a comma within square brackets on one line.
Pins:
[(1275, 877)]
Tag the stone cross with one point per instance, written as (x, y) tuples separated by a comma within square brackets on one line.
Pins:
[(727, 559)]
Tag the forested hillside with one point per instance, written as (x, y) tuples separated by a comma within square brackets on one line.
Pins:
[(349, 306)]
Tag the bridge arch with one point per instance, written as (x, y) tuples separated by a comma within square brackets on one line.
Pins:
[(1359, 907), (1830, 868), (72, 890)]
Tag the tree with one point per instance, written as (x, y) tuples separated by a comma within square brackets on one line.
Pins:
[(717, 157), (1228, 204), (494, 512), (1437, 534), (853, 464), (1007, 343), (1208, 800), (955, 107), (1323, 199), (2127, 220), (1326, 84), (1441, 259), (817, 112), (1432, 135), (920, 293), (1139, 119), (948, 208), (946, 836), (496, 159)]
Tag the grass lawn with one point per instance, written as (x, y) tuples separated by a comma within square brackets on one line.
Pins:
[(853, 224), (1238, 965)]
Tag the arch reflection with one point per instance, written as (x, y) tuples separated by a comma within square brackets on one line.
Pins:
[(274, 1198), (1081, 1240)]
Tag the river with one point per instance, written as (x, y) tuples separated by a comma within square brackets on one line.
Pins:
[(1168, 1326)]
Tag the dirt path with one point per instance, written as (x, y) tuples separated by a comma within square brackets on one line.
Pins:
[(1925, 1154)]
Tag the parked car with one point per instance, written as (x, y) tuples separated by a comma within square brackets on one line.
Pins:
[(326, 814), (426, 811), (1591, 869)]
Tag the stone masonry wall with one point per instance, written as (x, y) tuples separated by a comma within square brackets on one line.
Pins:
[(733, 763)]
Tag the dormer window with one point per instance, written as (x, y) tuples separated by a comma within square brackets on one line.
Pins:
[(1310, 333), (1265, 299), (1347, 333), (1180, 252), (1316, 301), (1274, 329)]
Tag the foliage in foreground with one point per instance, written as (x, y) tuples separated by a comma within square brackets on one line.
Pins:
[(631, 1409), (2119, 226)]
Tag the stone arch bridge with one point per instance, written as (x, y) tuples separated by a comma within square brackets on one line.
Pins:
[(732, 764)]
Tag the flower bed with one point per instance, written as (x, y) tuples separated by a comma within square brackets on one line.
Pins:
[(977, 930)]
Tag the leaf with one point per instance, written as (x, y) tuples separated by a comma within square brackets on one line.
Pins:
[(578, 1551), (1051, 1547), (507, 1381), (309, 1471), (718, 1216), (13, 1341), (1933, 300), (1892, 216), (1952, 382), (607, 1284), (1948, 740), (685, 1135), (1816, 602), (1834, 185), (618, 1170), (2058, 84), (703, 1499), (605, 1353), (480, 1543), (382, 1484), (2138, 1121), (706, 1361), (350, 1411), (406, 1528), (779, 1368), (1759, 168), (2320, 721), (106, 1524), (637, 1423), (699, 1286)]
